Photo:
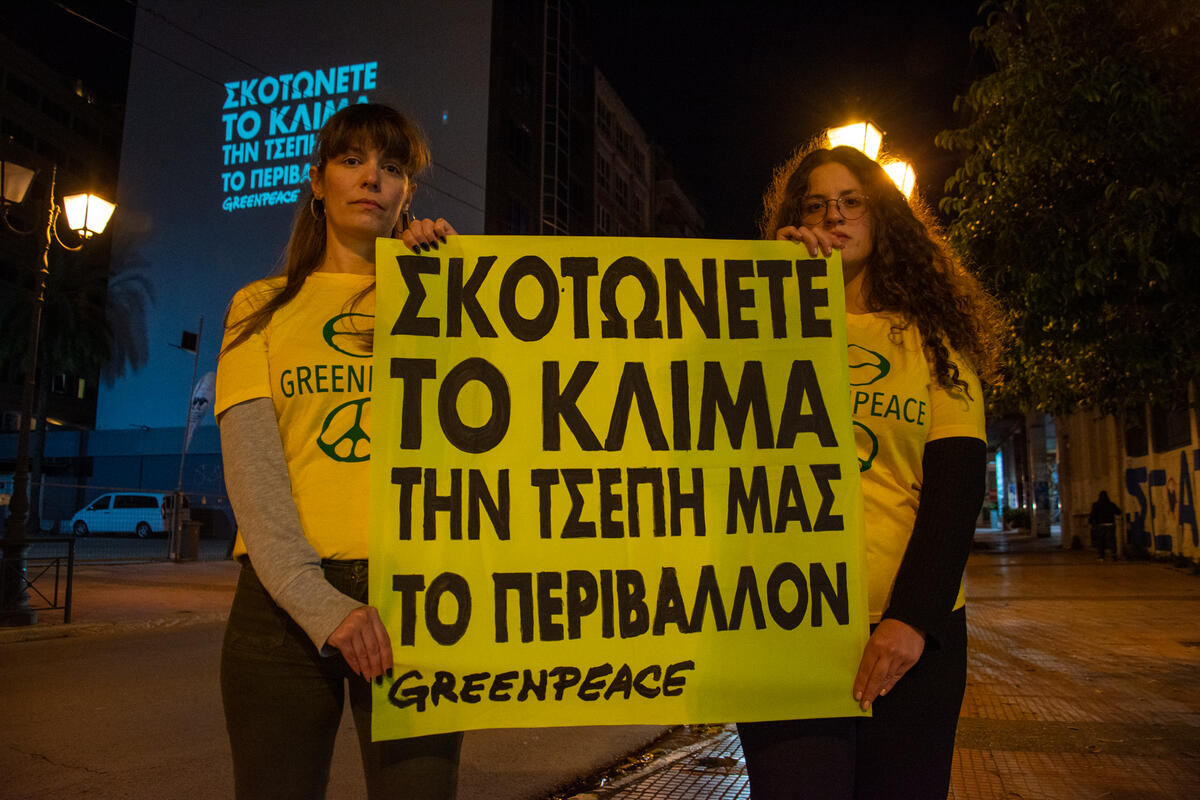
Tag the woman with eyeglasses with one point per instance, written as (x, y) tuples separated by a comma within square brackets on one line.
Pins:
[(920, 331), (293, 406)]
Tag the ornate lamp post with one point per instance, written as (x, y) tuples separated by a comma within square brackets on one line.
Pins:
[(88, 215)]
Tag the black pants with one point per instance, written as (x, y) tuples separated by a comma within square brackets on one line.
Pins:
[(1105, 538), (903, 752), (283, 705)]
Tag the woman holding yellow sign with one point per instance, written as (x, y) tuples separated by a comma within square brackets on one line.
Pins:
[(920, 331), (293, 405)]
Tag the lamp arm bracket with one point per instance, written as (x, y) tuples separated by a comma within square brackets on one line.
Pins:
[(12, 227), (57, 238)]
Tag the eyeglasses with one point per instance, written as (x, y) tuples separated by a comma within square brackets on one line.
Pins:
[(813, 210)]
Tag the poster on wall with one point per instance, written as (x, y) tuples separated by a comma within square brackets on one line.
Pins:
[(613, 481)]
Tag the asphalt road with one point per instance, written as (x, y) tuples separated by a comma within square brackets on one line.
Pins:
[(139, 715)]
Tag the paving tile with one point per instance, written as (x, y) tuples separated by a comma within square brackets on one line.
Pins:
[(1082, 683)]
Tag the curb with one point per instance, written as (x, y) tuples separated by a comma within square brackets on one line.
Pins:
[(36, 633), (639, 775)]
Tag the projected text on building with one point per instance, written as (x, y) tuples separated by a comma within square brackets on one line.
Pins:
[(269, 127)]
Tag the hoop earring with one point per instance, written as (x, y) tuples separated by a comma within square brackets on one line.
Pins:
[(312, 208)]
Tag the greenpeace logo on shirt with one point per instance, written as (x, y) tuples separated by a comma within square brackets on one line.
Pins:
[(887, 405), (868, 367), (325, 379), (343, 333)]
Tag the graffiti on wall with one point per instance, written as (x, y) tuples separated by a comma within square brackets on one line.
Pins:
[(1164, 503)]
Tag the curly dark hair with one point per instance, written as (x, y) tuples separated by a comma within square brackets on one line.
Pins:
[(911, 272)]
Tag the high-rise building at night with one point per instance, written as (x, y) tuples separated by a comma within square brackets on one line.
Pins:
[(224, 99), (47, 119)]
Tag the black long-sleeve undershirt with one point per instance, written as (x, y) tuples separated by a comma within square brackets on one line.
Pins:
[(931, 571)]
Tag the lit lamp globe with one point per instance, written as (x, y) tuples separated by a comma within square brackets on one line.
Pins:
[(860, 135), (16, 181), (901, 173), (87, 214)]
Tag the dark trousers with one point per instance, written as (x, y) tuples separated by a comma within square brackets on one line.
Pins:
[(903, 752), (283, 705), (1105, 538)]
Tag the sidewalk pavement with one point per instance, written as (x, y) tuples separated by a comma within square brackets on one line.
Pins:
[(1081, 684), (114, 599)]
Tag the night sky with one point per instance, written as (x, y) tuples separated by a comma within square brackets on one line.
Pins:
[(729, 90), (95, 51)]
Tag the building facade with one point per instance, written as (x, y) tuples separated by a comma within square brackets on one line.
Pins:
[(51, 123), (623, 169), (1147, 463), (534, 167)]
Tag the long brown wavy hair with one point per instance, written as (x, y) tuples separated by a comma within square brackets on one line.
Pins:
[(360, 125), (911, 272)]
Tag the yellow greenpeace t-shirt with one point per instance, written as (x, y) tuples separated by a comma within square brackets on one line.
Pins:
[(897, 407), (317, 372)]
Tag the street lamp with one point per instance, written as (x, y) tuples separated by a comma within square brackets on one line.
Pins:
[(16, 180), (865, 137), (901, 173), (860, 135), (87, 215)]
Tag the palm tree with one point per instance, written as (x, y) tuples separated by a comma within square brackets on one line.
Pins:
[(93, 323)]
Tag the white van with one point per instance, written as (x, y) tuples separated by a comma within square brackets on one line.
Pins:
[(142, 513)]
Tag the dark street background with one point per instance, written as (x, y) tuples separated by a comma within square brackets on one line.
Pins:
[(730, 89), (137, 713), (1080, 685), (727, 89)]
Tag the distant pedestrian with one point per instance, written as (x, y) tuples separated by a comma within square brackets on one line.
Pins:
[(1103, 519), (911, 303), (297, 470)]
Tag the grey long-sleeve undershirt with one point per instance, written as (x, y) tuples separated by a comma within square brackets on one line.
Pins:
[(260, 491)]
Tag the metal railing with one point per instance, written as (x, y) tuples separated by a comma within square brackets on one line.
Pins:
[(39, 565)]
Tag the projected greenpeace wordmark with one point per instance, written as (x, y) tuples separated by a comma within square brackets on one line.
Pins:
[(269, 128), (599, 462)]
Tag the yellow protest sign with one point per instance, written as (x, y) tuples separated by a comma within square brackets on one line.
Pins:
[(613, 481)]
